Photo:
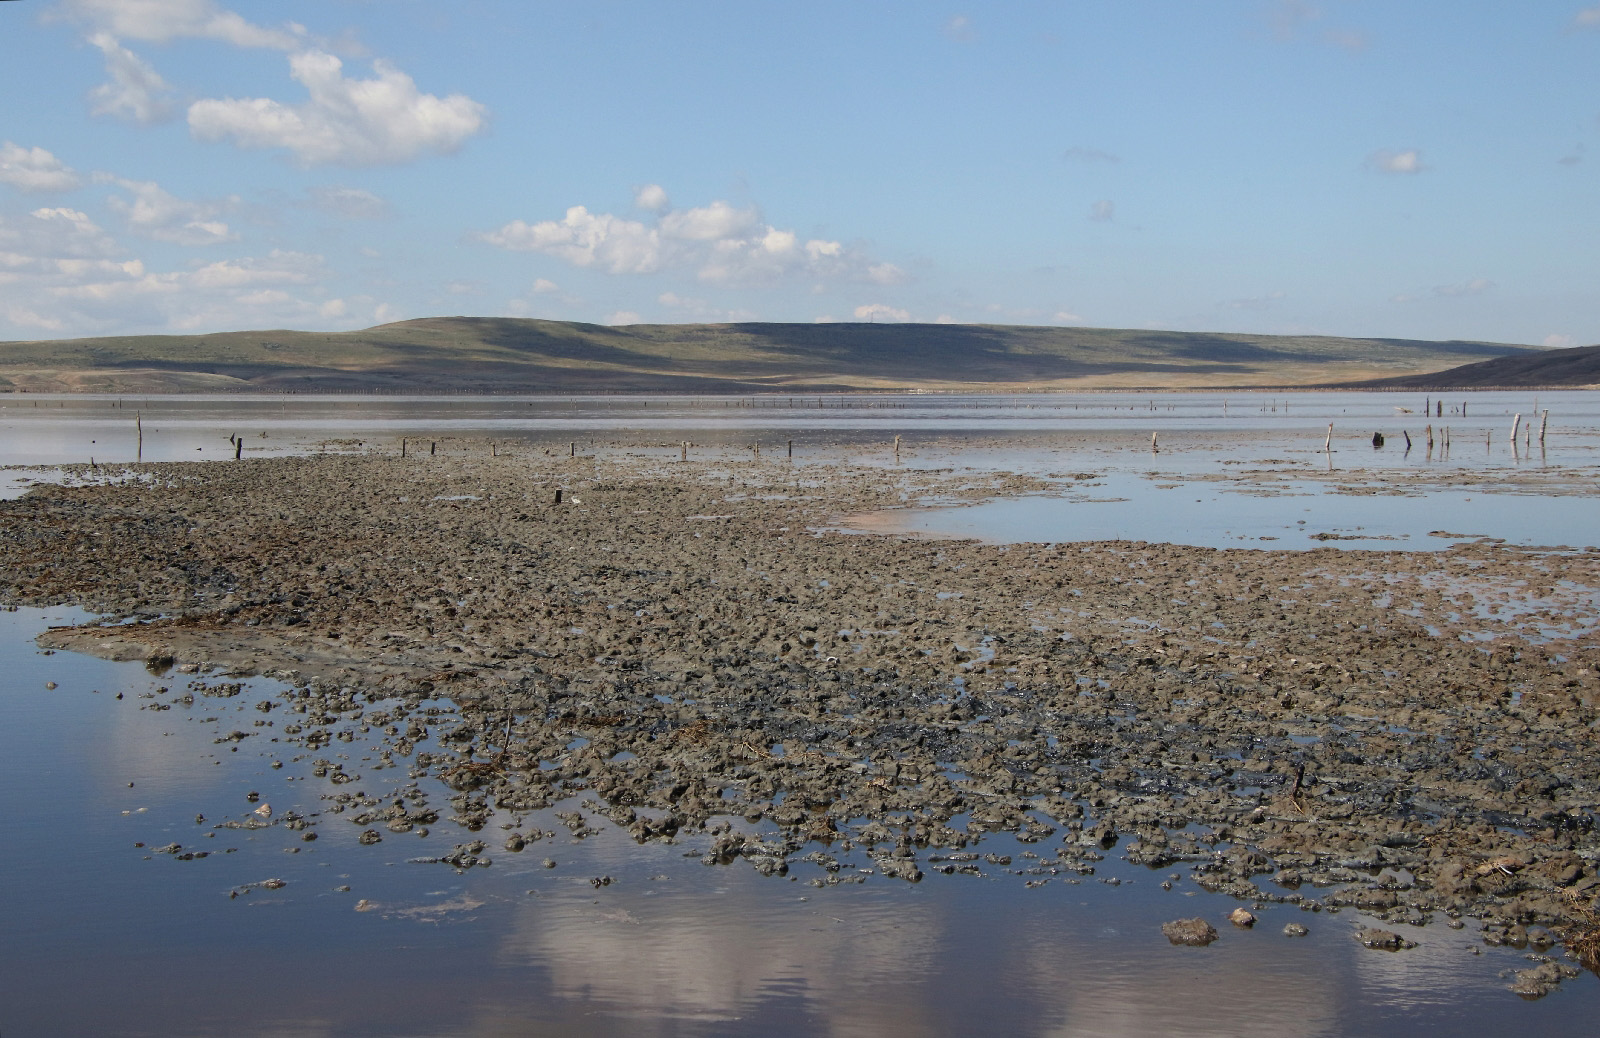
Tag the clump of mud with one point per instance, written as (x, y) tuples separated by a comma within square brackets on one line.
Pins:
[(688, 645)]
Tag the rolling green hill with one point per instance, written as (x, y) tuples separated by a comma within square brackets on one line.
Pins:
[(1577, 367), (514, 355)]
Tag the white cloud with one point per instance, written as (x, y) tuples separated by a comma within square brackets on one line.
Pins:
[(1588, 18), (702, 309), (651, 198), (1557, 341), (1103, 211), (1474, 287), (34, 169), (158, 21), (945, 319), (1406, 162), (586, 239), (350, 122), (715, 222), (351, 203), (1066, 317), (881, 312), (718, 243), (134, 91), (960, 29), (1088, 155), (621, 317), (154, 213), (545, 287)]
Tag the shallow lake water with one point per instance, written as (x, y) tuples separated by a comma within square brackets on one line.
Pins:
[(105, 934)]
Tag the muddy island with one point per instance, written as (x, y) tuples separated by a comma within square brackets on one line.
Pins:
[(676, 648)]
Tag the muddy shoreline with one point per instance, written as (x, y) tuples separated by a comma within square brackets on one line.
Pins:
[(682, 644)]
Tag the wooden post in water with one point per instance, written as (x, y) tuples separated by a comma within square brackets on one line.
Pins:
[(238, 447), (138, 426), (1408, 439), (572, 449), (685, 449), (897, 448), (1154, 449), (756, 448), (1514, 423), (791, 448), (402, 446), (433, 448), (1428, 432), (1327, 445), (1544, 422)]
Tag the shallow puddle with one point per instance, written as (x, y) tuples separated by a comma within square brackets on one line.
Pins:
[(262, 932)]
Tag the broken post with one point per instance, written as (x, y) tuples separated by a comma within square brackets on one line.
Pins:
[(1154, 449), (572, 449), (558, 495), (238, 447), (402, 446), (1514, 423), (685, 449), (1544, 422), (897, 448), (1327, 445)]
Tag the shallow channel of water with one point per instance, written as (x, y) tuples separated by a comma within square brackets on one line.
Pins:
[(105, 936)]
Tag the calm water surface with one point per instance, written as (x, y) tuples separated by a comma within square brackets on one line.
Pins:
[(103, 936)]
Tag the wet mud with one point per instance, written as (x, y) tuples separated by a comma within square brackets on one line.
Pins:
[(695, 648)]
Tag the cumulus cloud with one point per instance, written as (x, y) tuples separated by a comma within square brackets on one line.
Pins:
[(34, 169), (881, 312), (351, 203), (62, 273), (349, 122), (152, 212), (1065, 317), (545, 287), (1103, 211), (133, 91), (1405, 162), (718, 242), (651, 198), (159, 21), (1557, 341), (960, 29), (621, 317), (1474, 287)]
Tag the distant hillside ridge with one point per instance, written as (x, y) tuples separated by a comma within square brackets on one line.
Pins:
[(1575, 367), (506, 355)]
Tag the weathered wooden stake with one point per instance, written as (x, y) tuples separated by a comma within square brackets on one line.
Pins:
[(897, 448), (1544, 422), (1154, 449), (433, 448), (238, 448), (573, 451), (685, 448), (558, 495), (1514, 423), (402, 446), (1327, 445), (138, 426), (791, 448), (1429, 433), (1408, 438)]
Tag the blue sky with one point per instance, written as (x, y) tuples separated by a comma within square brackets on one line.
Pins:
[(1412, 168)]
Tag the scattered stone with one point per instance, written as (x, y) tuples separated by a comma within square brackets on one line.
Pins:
[(1195, 932)]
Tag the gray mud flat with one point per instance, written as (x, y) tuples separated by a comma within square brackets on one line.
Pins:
[(680, 645)]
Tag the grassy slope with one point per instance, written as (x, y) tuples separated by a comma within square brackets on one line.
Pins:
[(529, 355), (1576, 368)]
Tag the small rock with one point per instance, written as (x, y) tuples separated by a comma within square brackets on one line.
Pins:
[(1385, 940), (369, 837), (1243, 918), (1295, 930), (1194, 932)]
